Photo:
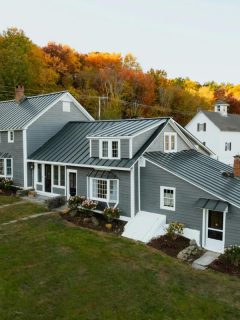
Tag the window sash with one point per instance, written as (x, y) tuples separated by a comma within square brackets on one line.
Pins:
[(170, 142), (59, 176), (6, 167), (109, 149), (167, 198), (104, 189), (39, 173)]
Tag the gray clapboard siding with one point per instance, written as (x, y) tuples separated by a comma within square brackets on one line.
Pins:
[(140, 140), (158, 143), (60, 191), (152, 177), (39, 187), (124, 187), (95, 148), (15, 149), (49, 124), (124, 148), (29, 175), (136, 187)]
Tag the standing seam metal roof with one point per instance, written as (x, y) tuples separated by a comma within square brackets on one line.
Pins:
[(15, 115), (230, 122), (201, 170), (71, 146)]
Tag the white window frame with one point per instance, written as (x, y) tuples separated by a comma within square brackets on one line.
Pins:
[(11, 138), (66, 106), (59, 177), (162, 206), (170, 135), (110, 142), (5, 175), (108, 190)]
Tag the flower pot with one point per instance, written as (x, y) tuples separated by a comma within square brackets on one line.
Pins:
[(108, 226)]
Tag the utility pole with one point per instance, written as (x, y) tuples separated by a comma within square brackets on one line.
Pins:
[(99, 106)]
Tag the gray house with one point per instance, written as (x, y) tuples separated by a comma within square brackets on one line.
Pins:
[(26, 123), (154, 170)]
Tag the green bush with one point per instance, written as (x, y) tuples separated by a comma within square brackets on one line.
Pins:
[(175, 229), (6, 184), (232, 254), (75, 201), (111, 213)]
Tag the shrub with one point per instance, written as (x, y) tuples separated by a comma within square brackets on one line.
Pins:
[(175, 229), (89, 204), (75, 201), (6, 184), (232, 254), (111, 213)]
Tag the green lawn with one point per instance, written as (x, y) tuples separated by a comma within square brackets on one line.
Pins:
[(53, 271), (19, 211), (8, 199)]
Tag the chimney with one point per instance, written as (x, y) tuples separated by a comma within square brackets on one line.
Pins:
[(236, 166), (19, 93)]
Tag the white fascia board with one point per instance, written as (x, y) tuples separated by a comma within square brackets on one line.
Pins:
[(192, 183), (79, 165), (174, 125)]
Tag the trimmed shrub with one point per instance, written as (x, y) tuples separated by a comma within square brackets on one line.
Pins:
[(232, 254)]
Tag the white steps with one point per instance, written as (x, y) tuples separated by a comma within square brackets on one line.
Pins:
[(145, 226)]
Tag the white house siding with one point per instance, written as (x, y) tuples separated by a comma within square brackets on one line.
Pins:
[(234, 138)]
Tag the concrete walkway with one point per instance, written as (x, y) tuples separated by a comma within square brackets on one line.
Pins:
[(205, 260), (33, 216)]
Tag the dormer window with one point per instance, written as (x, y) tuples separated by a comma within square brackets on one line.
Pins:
[(109, 149), (170, 142)]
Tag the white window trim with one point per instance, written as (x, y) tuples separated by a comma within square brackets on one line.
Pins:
[(59, 177), (109, 141), (170, 134), (162, 188), (5, 168), (9, 136), (108, 190)]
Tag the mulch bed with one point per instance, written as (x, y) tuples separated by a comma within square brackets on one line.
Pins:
[(168, 245), (223, 265), (83, 220)]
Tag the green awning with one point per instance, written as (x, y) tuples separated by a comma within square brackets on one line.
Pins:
[(210, 204), (102, 174)]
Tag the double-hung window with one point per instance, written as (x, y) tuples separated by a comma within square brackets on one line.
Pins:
[(104, 190), (170, 142), (39, 173), (6, 168), (228, 146), (167, 198), (201, 126), (109, 149), (59, 176), (10, 136)]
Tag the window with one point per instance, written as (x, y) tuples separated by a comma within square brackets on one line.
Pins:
[(66, 106), (109, 149), (167, 198), (201, 127), (170, 142), (10, 136), (59, 176), (6, 166), (39, 173), (104, 190), (228, 146)]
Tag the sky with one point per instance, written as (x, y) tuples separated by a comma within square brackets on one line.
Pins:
[(198, 39)]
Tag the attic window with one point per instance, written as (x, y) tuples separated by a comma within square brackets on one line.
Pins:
[(170, 142), (66, 106), (201, 127)]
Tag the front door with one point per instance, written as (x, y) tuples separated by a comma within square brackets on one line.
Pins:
[(72, 183), (215, 226), (48, 178)]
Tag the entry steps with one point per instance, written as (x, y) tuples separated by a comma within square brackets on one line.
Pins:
[(145, 226)]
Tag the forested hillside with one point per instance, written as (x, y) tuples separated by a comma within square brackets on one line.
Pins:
[(125, 89)]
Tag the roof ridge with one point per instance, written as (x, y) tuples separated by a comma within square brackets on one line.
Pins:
[(122, 120)]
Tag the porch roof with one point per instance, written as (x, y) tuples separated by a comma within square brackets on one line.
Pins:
[(210, 204)]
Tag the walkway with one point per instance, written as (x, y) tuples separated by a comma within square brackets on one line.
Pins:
[(205, 260), (33, 216)]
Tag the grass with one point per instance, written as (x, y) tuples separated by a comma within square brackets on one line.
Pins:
[(50, 270), (8, 199), (19, 211)]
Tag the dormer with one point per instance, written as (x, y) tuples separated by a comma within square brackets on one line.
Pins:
[(221, 107)]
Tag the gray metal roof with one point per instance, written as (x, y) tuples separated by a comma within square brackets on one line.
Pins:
[(71, 146), (210, 204), (230, 122), (201, 170), (221, 102), (126, 128), (15, 116), (5, 155)]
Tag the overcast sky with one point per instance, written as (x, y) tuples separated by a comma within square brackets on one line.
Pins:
[(187, 38)]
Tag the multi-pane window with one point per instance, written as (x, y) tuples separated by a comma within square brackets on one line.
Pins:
[(59, 176), (228, 146), (104, 190), (6, 166), (109, 149), (170, 142), (167, 198), (10, 136), (201, 127)]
